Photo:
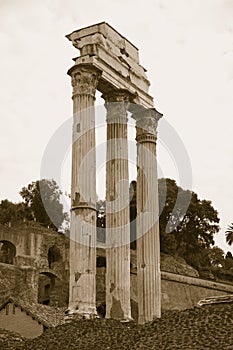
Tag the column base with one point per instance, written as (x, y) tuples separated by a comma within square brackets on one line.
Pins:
[(73, 313), (127, 320), (123, 320)]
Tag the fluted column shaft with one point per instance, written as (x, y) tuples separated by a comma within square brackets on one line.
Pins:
[(82, 297), (148, 246), (117, 208)]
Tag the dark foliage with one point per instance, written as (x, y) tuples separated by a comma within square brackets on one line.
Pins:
[(11, 213), (186, 233), (229, 234), (42, 200)]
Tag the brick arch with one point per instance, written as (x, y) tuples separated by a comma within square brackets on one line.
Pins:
[(50, 273), (7, 252), (49, 288), (46, 283), (10, 236), (54, 255)]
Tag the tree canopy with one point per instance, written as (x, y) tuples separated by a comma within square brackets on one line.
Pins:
[(187, 223), (11, 212), (185, 234), (216, 257), (229, 234), (42, 199)]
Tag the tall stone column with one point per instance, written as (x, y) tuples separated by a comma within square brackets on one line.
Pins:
[(82, 296), (117, 208), (148, 246)]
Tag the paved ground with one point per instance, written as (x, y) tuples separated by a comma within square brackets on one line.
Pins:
[(208, 327)]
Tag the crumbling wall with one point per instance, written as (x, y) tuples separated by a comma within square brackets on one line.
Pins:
[(18, 281), (32, 243), (179, 291), (183, 292)]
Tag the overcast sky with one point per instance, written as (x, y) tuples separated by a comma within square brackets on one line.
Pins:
[(187, 48)]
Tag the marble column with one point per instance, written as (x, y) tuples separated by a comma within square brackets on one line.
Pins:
[(148, 246), (82, 295), (117, 208)]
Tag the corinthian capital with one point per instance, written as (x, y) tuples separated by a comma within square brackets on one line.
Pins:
[(146, 124), (116, 104), (84, 79)]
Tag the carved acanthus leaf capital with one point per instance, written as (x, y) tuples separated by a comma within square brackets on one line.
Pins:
[(84, 79), (147, 122), (117, 103)]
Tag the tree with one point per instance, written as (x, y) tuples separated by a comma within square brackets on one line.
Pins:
[(42, 199), (194, 229), (12, 212), (229, 234), (229, 256), (186, 232), (228, 260), (216, 256)]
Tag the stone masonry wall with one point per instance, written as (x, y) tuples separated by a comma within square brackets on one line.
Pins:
[(32, 243), (17, 282)]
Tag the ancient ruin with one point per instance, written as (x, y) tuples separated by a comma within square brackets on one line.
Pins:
[(34, 264), (108, 62)]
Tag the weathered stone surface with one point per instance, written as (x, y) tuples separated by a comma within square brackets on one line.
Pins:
[(177, 265), (103, 47), (216, 300), (84, 80), (168, 263), (18, 281), (82, 291), (117, 208), (183, 292), (179, 292), (32, 244), (148, 244), (109, 62)]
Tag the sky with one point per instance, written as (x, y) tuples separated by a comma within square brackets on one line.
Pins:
[(187, 49)]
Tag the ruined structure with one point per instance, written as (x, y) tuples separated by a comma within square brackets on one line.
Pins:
[(110, 63), (34, 264), (40, 257)]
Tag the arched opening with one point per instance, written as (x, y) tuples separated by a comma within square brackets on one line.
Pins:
[(7, 252), (52, 290), (46, 284), (54, 256), (46, 297)]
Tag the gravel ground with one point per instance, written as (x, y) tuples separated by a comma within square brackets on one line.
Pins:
[(8, 340), (208, 327)]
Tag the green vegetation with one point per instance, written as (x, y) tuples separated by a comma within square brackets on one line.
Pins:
[(41, 203), (188, 234), (229, 234)]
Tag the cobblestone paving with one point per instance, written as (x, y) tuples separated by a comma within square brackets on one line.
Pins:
[(8, 339), (208, 327)]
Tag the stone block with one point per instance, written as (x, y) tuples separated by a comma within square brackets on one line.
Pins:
[(103, 47), (24, 260)]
